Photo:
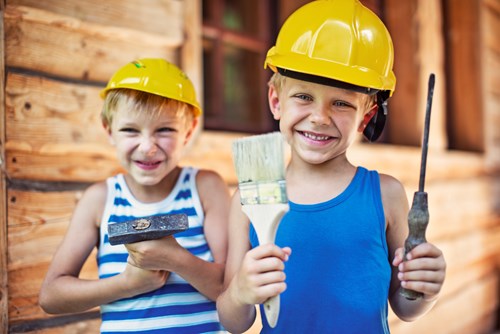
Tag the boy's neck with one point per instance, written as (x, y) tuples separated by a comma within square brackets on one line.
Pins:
[(153, 193), (316, 183)]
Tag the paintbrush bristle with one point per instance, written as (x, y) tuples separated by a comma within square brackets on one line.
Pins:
[(260, 168)]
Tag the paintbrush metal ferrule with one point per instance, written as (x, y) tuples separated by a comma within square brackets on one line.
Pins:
[(265, 192)]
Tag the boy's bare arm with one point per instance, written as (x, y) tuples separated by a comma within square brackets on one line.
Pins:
[(425, 270), (167, 254), (62, 291), (235, 316)]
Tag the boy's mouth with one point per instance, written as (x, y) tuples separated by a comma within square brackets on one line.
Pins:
[(148, 165), (316, 137)]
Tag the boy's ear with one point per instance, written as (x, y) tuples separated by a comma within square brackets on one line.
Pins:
[(191, 130), (274, 102), (107, 128), (367, 118)]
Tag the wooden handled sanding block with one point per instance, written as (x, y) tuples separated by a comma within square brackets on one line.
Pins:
[(146, 228)]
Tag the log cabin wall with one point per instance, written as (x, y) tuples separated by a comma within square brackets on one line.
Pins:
[(55, 56)]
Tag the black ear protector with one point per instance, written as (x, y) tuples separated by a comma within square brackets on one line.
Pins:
[(375, 126)]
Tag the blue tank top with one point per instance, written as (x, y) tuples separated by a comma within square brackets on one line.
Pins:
[(339, 273), (177, 307)]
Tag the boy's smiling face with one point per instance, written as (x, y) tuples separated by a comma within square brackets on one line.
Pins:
[(149, 146), (319, 122)]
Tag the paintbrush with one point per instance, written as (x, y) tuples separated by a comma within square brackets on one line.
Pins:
[(260, 169)]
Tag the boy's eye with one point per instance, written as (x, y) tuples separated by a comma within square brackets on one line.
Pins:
[(342, 104), (166, 129), (129, 130), (303, 97)]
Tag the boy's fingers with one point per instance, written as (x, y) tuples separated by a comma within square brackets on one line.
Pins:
[(422, 276), (269, 250), (427, 288), (398, 256), (424, 250)]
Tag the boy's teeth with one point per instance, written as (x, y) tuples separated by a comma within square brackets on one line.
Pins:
[(314, 137)]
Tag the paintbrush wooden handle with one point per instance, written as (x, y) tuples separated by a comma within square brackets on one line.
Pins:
[(265, 219), (272, 310)]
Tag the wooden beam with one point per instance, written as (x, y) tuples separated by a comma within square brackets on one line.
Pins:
[(490, 59), (159, 17), (4, 296), (66, 47), (191, 52), (465, 103)]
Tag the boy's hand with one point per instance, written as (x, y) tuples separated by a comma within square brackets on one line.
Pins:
[(261, 275), (139, 280), (159, 254), (424, 271)]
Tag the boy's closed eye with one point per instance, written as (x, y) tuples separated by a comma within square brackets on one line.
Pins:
[(128, 130), (166, 130)]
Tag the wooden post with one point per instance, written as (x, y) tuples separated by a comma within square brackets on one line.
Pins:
[(431, 60), (4, 305), (191, 52), (489, 21), (419, 50)]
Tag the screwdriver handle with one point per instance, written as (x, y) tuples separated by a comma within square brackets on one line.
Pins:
[(418, 219)]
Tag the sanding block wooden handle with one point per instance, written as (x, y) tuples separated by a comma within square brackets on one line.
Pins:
[(146, 228)]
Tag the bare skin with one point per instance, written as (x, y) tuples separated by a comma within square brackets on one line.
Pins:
[(320, 123), (141, 142)]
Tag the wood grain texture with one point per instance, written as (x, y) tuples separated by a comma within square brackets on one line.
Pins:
[(4, 279), (490, 59), (38, 221), (158, 17), (67, 47)]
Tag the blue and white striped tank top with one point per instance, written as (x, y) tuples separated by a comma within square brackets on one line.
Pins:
[(177, 307)]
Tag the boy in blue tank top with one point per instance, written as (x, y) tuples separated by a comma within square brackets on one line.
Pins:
[(338, 259), (168, 285)]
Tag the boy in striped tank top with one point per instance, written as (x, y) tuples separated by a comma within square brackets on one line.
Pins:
[(167, 285)]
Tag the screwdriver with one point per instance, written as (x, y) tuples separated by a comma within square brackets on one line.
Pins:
[(418, 217)]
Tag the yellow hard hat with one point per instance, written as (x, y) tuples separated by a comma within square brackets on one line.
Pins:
[(155, 76), (336, 39), (339, 43)]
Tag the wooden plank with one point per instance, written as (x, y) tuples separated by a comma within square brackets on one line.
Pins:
[(471, 248), (26, 280), (66, 47), (459, 207), (82, 323), (4, 280), (38, 221), (159, 17), (41, 111)]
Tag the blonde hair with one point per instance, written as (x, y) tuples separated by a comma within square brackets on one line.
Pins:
[(142, 102)]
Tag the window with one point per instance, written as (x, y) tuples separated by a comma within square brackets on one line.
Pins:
[(236, 37)]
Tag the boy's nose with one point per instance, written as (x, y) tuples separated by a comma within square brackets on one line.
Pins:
[(148, 146), (320, 116)]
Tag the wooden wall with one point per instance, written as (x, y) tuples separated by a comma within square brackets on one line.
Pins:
[(58, 55), (55, 57)]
